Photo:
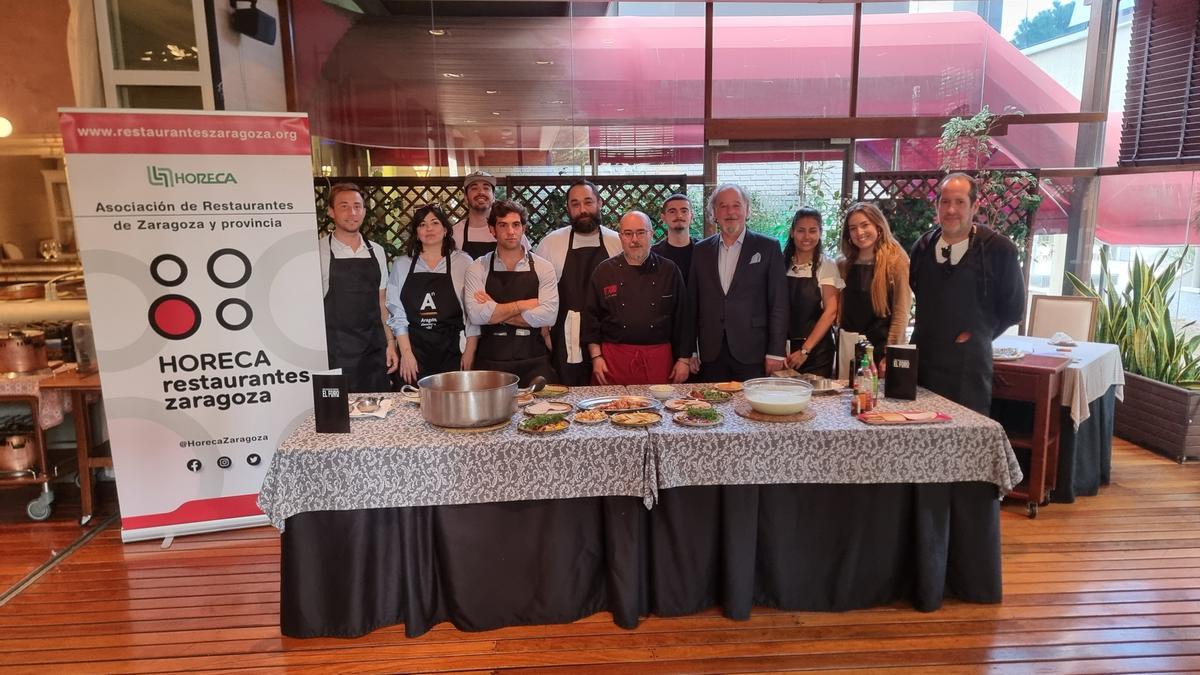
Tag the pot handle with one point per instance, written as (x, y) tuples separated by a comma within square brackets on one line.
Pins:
[(408, 388)]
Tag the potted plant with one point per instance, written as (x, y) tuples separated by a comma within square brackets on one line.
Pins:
[(1161, 406)]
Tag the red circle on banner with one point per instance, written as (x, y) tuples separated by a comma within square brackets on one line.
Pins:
[(174, 317)]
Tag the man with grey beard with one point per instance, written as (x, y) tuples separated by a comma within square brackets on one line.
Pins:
[(636, 324), (576, 250)]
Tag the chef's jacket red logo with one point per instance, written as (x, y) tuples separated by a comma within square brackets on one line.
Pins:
[(610, 290)]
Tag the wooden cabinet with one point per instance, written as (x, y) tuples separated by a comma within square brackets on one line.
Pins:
[(1034, 379)]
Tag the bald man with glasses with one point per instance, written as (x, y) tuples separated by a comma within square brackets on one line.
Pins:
[(635, 325)]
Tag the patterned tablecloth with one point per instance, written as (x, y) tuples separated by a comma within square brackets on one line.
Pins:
[(402, 461), (52, 404), (834, 447)]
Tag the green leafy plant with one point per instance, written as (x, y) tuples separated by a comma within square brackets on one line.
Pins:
[(966, 145), (1138, 320)]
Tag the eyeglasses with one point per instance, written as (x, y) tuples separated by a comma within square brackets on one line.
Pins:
[(635, 234)]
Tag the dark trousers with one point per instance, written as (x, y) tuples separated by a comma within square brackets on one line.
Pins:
[(726, 368)]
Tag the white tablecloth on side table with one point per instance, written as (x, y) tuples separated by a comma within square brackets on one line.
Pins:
[(1094, 367)]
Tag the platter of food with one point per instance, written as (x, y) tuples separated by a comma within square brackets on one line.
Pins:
[(616, 404), (710, 395), (1007, 354), (544, 424), (728, 387), (636, 419), (547, 408), (905, 417), (591, 417), (552, 391), (681, 404), (699, 417)]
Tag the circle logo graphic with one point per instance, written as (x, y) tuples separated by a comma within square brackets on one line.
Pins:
[(156, 265), (174, 317), (216, 257)]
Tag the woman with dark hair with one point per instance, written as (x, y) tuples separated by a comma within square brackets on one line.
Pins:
[(813, 285), (424, 298), (876, 298)]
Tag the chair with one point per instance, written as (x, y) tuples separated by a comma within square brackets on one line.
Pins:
[(1071, 314)]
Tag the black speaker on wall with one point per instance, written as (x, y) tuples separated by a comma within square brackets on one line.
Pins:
[(253, 22)]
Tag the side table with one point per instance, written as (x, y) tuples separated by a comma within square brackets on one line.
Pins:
[(1034, 379), (81, 387)]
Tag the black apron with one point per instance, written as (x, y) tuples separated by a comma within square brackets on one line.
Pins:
[(475, 249), (500, 346), (804, 310), (573, 288), (435, 319), (948, 304), (354, 332), (858, 314)]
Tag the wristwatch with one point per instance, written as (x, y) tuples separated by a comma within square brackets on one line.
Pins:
[(804, 351)]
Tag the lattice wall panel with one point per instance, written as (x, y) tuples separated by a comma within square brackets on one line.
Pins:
[(391, 201)]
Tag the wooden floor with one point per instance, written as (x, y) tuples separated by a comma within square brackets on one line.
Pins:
[(1109, 584)]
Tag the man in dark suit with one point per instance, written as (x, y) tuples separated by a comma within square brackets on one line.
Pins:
[(738, 288)]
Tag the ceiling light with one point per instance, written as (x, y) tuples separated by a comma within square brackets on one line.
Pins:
[(557, 101), (544, 63), (495, 113), (437, 32), (620, 110), (491, 91), (6, 127), (469, 121), (453, 76)]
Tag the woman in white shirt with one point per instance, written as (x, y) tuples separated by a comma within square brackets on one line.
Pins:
[(813, 286), (424, 298)]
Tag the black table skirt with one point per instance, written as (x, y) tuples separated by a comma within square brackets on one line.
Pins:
[(1084, 454), (483, 566)]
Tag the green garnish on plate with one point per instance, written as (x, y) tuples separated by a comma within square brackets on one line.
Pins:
[(703, 414)]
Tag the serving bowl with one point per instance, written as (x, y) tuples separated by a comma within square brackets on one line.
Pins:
[(778, 396), (662, 392)]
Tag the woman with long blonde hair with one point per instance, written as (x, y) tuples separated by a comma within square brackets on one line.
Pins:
[(876, 298)]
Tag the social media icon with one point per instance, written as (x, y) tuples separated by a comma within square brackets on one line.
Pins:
[(224, 462), (194, 465), (253, 459)]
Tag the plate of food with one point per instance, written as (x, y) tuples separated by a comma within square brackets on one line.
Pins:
[(1007, 354), (699, 417), (543, 424), (728, 387), (710, 395), (548, 408), (616, 404), (552, 391), (591, 417), (636, 419), (681, 404), (524, 399)]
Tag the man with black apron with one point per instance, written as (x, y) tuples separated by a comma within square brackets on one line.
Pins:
[(806, 305), (969, 289), (354, 278), (574, 267), (511, 294)]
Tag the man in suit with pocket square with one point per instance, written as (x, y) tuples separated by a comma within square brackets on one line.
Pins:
[(737, 290)]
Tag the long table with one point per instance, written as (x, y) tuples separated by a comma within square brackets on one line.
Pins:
[(398, 522)]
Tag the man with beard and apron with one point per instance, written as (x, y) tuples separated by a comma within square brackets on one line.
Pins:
[(471, 234), (574, 267), (354, 278), (969, 289), (511, 294), (806, 306)]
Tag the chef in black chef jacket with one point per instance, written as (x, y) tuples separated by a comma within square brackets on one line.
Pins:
[(512, 294), (425, 299), (635, 326), (969, 290), (354, 279), (575, 251)]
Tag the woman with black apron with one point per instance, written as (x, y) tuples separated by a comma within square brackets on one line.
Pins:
[(813, 284), (876, 298), (425, 301)]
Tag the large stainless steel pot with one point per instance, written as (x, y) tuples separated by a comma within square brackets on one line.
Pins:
[(468, 398), (22, 351)]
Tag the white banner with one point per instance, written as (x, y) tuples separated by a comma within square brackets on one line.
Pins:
[(197, 233)]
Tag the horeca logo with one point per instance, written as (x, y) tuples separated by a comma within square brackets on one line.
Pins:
[(165, 177)]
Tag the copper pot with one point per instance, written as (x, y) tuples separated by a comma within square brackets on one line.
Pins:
[(17, 454), (22, 351)]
